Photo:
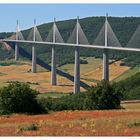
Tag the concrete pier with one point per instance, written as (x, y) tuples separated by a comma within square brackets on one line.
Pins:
[(77, 63), (33, 59), (53, 68), (16, 51), (34, 52), (77, 71), (53, 74), (106, 55), (106, 65)]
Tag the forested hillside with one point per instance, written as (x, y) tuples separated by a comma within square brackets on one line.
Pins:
[(123, 27), (131, 87)]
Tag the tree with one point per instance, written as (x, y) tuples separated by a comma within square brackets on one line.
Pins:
[(18, 98), (106, 96)]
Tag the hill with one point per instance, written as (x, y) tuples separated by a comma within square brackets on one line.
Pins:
[(123, 27), (131, 87)]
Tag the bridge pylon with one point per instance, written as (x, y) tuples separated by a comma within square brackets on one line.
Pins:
[(77, 62), (106, 54), (53, 67), (34, 50), (16, 45)]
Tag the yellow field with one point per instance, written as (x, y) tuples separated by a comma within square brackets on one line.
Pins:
[(93, 63), (22, 73), (93, 70), (115, 70), (42, 79)]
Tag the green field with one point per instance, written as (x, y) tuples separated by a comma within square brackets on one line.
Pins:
[(127, 74), (53, 95)]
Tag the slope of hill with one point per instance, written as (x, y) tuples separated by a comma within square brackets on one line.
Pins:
[(131, 87)]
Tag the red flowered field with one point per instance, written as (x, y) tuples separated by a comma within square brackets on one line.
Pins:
[(76, 123)]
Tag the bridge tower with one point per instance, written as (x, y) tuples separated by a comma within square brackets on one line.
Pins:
[(16, 45), (106, 54), (53, 67), (77, 61), (34, 50)]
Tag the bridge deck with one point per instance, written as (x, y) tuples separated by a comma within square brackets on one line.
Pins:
[(73, 45)]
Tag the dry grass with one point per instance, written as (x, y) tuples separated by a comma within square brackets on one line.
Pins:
[(131, 106), (115, 71), (93, 63), (92, 71), (23, 73), (89, 74), (77, 123)]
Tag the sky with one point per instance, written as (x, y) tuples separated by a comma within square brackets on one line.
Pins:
[(25, 13)]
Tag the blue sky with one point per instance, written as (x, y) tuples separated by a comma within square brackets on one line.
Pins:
[(43, 13)]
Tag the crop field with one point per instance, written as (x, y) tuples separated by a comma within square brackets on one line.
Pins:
[(90, 74), (125, 122)]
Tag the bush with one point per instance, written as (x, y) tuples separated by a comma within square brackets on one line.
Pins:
[(79, 101), (102, 96), (133, 94), (18, 98), (30, 127), (106, 96), (46, 103)]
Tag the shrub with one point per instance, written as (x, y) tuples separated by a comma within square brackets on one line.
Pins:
[(69, 102), (46, 103), (133, 94), (102, 96), (18, 98), (31, 127), (106, 96)]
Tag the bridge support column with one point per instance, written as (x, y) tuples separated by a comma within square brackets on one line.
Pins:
[(106, 65), (16, 45), (34, 50), (77, 71), (53, 68), (33, 59), (106, 55), (77, 62), (16, 51)]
